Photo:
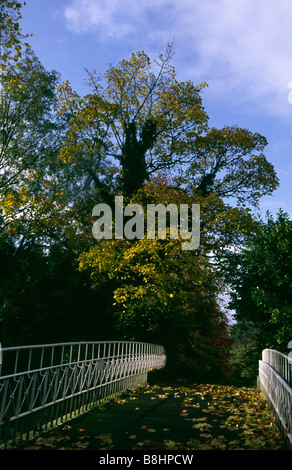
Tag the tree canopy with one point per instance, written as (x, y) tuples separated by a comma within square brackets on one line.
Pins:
[(143, 120)]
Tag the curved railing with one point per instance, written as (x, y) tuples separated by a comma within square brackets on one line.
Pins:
[(275, 376), (44, 386)]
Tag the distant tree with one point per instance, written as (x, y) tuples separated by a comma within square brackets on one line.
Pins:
[(245, 352), (260, 275)]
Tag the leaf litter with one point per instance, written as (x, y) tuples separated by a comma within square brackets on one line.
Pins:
[(212, 417)]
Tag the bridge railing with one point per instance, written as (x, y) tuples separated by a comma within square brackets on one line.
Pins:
[(44, 386), (275, 376)]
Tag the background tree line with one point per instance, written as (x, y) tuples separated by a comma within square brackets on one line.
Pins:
[(140, 133)]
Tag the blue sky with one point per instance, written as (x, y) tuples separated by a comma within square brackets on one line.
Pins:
[(241, 48)]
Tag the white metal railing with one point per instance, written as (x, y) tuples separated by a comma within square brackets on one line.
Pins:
[(275, 376), (43, 386)]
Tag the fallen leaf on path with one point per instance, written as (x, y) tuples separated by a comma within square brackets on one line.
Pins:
[(105, 439)]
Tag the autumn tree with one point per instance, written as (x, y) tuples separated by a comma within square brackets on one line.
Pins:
[(11, 37), (139, 121), (230, 163), (144, 135)]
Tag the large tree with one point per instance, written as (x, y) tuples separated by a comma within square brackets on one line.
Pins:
[(144, 135), (138, 121)]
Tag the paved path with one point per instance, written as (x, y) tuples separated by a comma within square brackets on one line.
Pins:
[(144, 420), (202, 417)]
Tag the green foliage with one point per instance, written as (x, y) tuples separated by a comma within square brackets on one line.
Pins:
[(44, 299), (245, 352), (261, 278), (28, 124), (36, 188)]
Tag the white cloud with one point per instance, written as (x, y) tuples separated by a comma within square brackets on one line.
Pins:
[(110, 18), (243, 45)]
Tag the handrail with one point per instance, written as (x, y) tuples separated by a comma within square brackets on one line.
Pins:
[(280, 362), (275, 376), (45, 385), (64, 354)]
